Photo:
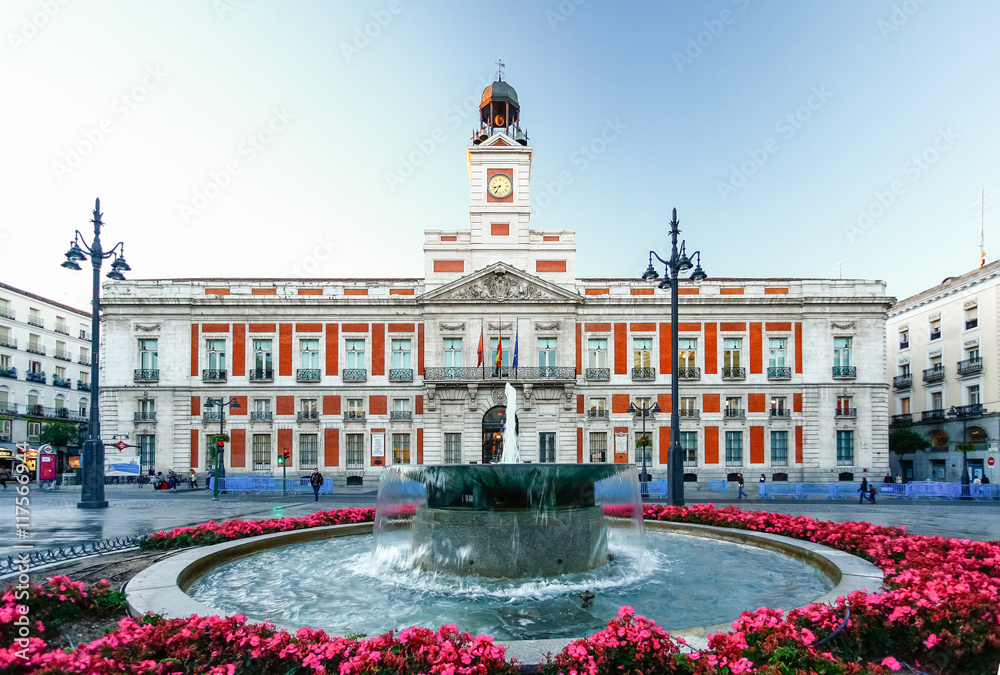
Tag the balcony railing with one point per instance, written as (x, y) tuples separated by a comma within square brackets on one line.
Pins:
[(845, 371), (735, 413), (8, 342), (307, 375), (83, 360), (504, 373), (307, 416), (213, 375), (9, 372), (846, 412), (401, 415), (904, 345), (935, 334), (35, 348), (637, 413), (34, 377), (7, 313), (689, 373), (35, 321), (82, 386), (598, 373), (936, 415), (354, 374), (262, 375), (260, 415), (902, 381), (37, 410), (689, 412), (643, 373), (401, 374), (146, 375), (970, 366), (966, 411), (734, 373), (971, 323), (781, 412), (144, 417), (934, 374), (60, 328), (598, 414), (849, 461), (8, 409), (354, 416), (211, 416), (65, 383), (84, 334), (734, 462), (904, 418), (779, 373)]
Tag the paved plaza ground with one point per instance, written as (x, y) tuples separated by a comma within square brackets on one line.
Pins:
[(55, 520)]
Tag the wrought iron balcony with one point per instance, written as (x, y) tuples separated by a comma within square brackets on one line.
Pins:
[(144, 417), (732, 373), (689, 412), (735, 413), (84, 334), (637, 413), (846, 412), (9, 372), (35, 348), (65, 383), (34, 409), (935, 334), (354, 416), (146, 375), (401, 374), (7, 313), (643, 373), (35, 377), (689, 373), (213, 375), (934, 374), (262, 375), (61, 328), (845, 461), (307, 416), (936, 415), (35, 321), (8, 409), (598, 413), (598, 373), (307, 375), (781, 412), (82, 386), (401, 415), (260, 415), (971, 323), (735, 461), (966, 411), (211, 416), (504, 373), (970, 366), (779, 373), (903, 381), (83, 360), (904, 418), (845, 372), (779, 461), (904, 345), (8, 342), (354, 374)]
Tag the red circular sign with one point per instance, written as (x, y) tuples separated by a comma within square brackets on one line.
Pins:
[(991, 461), (121, 445)]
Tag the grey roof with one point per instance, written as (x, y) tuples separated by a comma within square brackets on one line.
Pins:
[(499, 91)]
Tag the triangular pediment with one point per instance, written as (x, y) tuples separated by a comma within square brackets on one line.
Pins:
[(499, 140), (500, 282)]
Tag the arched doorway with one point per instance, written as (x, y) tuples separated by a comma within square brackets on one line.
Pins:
[(493, 422)]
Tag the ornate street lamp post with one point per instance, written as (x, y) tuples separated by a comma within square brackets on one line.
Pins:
[(678, 262), (92, 495), (645, 411), (223, 404)]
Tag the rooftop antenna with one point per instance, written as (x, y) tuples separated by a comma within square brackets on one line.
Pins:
[(839, 268), (982, 204), (499, 70)]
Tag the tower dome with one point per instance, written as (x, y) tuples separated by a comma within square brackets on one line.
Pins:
[(499, 111)]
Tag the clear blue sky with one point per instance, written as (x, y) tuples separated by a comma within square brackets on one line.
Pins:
[(768, 125)]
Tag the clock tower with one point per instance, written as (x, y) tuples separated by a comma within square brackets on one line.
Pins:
[(499, 161)]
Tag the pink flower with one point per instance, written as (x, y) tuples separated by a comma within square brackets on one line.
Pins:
[(931, 640), (891, 663)]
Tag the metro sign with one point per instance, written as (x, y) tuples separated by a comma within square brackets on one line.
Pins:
[(121, 445)]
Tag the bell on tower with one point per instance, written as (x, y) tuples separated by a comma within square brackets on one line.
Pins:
[(499, 111)]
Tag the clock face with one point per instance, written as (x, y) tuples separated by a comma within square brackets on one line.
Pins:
[(499, 186)]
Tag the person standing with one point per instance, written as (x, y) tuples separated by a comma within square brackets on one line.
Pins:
[(888, 478), (762, 487), (316, 481), (193, 478), (899, 479), (4, 477), (739, 479), (863, 490)]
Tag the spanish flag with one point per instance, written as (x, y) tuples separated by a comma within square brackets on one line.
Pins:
[(499, 358), (480, 348)]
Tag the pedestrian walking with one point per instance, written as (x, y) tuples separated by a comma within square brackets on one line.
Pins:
[(193, 478), (316, 481), (863, 490), (739, 479), (871, 493), (762, 486), (4, 477)]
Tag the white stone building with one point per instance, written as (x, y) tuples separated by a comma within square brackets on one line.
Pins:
[(44, 367), (778, 376), (942, 346)]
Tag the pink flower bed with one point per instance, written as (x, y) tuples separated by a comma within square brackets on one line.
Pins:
[(939, 613)]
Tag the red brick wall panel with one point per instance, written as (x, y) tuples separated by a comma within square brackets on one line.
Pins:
[(418, 405), (195, 406), (237, 448), (579, 445), (579, 404), (331, 405), (664, 401), (377, 405), (354, 328), (597, 327), (401, 327), (420, 349), (194, 449), (798, 347), (779, 326), (666, 366), (195, 348), (263, 328), (711, 445), (619, 403), (378, 349), (332, 348), (242, 410), (798, 445), (579, 348), (756, 403), (621, 349), (215, 328), (664, 445), (420, 446), (308, 328), (756, 349), (711, 350), (285, 443), (797, 402), (239, 350), (756, 445), (285, 349), (331, 447), (285, 405), (710, 403)]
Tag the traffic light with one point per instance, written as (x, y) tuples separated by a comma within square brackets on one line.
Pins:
[(283, 457), (220, 446)]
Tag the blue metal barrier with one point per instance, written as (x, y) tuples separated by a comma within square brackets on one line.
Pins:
[(656, 489), (933, 489), (718, 485), (891, 490), (806, 490), (269, 484), (779, 489)]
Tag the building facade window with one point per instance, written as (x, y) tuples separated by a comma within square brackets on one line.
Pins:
[(547, 355), (842, 352), (453, 448), (646, 450), (262, 406), (308, 451), (731, 351), (400, 448), (309, 354), (598, 447), (34, 429), (904, 339), (904, 406), (687, 349), (597, 353), (972, 394), (148, 354), (935, 329), (401, 354), (355, 353), (147, 406), (4, 426), (216, 354), (845, 447), (260, 451), (642, 353), (491, 358), (776, 352), (971, 318), (778, 404), (687, 406), (547, 446), (147, 450), (689, 446), (355, 451), (453, 352), (937, 400), (779, 448), (734, 448)]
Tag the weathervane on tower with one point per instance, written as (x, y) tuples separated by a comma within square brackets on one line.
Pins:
[(499, 70)]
